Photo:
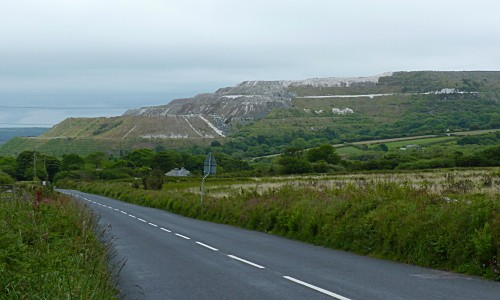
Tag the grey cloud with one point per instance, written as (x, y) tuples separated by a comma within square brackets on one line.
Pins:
[(151, 51)]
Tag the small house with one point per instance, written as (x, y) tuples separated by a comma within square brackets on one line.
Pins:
[(178, 172)]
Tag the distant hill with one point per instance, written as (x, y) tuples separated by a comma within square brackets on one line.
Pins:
[(266, 116), (8, 133)]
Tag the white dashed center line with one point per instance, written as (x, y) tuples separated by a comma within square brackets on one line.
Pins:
[(182, 236), (331, 294), (207, 246), (246, 261), (308, 285)]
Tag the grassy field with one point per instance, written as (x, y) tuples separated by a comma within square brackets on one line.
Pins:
[(50, 250), (446, 219), (420, 142)]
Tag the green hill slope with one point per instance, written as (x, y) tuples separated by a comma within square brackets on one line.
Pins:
[(259, 117)]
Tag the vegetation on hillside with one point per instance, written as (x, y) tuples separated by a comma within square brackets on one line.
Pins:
[(415, 103), (429, 153)]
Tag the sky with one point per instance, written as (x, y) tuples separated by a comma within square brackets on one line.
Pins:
[(91, 58)]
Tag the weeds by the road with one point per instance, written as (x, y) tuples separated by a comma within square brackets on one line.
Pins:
[(50, 250), (456, 227)]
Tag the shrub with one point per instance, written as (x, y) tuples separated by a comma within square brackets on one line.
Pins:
[(5, 178)]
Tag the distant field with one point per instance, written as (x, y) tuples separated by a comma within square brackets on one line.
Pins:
[(475, 132), (426, 141), (347, 151)]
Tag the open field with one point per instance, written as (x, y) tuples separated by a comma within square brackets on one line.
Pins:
[(486, 180)]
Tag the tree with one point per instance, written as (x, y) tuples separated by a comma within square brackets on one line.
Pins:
[(215, 144), (384, 147), (72, 162), (141, 157), (24, 162), (52, 166), (96, 159), (294, 165), (325, 152), (230, 164), (166, 160), (5, 178), (8, 165)]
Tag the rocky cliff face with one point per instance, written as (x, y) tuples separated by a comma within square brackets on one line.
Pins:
[(247, 101)]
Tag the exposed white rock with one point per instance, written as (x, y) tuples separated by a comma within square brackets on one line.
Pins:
[(342, 111), (336, 81), (371, 96), (219, 132), (165, 136)]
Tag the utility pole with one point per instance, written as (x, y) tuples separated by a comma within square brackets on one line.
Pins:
[(34, 165)]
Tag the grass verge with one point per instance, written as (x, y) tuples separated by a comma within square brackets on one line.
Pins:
[(50, 250)]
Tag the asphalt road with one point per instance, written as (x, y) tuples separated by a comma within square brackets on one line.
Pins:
[(172, 257)]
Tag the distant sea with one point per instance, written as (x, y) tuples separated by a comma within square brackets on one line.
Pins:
[(8, 133)]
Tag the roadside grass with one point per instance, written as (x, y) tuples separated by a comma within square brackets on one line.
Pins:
[(445, 220), (50, 250)]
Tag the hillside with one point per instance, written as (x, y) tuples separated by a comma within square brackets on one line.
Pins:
[(9, 133), (267, 116)]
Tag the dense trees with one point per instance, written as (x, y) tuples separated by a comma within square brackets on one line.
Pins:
[(320, 160), (325, 152), (150, 165)]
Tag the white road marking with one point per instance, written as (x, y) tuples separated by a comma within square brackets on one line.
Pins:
[(247, 262), (182, 236), (116, 209), (153, 224), (331, 294), (207, 246), (141, 220), (164, 229), (123, 212), (132, 216), (110, 207)]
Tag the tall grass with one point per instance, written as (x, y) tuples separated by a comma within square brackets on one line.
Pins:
[(454, 229), (50, 250)]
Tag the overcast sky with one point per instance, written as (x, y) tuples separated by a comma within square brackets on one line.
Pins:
[(72, 58)]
